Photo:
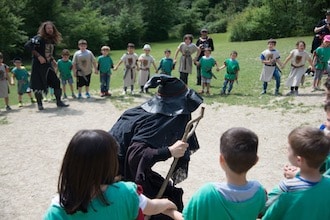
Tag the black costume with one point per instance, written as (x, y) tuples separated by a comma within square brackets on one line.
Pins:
[(43, 75), (145, 132), (318, 38), (203, 43)]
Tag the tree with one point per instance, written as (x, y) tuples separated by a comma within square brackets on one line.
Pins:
[(12, 36)]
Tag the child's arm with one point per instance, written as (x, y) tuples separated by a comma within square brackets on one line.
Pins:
[(310, 61), (217, 65), (156, 206), (222, 67), (287, 60), (176, 54), (12, 79), (174, 214), (156, 70), (118, 64), (95, 66)]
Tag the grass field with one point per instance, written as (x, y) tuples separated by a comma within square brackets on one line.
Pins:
[(246, 92)]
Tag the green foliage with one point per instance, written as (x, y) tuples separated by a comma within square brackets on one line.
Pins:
[(94, 29), (11, 31)]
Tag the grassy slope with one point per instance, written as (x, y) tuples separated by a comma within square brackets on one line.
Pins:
[(246, 92)]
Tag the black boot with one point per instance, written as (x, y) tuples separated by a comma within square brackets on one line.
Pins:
[(59, 103), (38, 96)]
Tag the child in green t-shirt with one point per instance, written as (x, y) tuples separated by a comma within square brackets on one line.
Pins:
[(232, 67), (64, 66)]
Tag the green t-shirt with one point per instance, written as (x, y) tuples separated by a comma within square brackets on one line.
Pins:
[(308, 204), (323, 55), (105, 64), (206, 66), (124, 205), (209, 204), (64, 67), (166, 65), (232, 67)]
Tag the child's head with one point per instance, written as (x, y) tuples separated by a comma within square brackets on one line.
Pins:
[(238, 147), (301, 45), (271, 43), (167, 53), (82, 44), (146, 48), (207, 52), (89, 162), (130, 47), (17, 61), (105, 50), (65, 54), (233, 55), (308, 145), (188, 38)]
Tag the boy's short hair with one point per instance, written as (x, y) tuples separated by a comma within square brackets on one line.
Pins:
[(311, 144), (188, 36), (65, 52), (327, 106), (208, 49), (82, 41), (130, 45), (105, 48), (271, 40), (17, 59), (167, 51), (239, 148), (234, 52)]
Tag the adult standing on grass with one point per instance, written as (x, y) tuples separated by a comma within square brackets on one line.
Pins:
[(298, 59), (187, 49), (269, 58), (204, 41), (320, 30), (43, 74)]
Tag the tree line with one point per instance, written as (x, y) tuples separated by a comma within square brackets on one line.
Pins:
[(117, 22)]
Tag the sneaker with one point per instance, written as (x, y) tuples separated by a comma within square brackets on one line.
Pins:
[(20, 104), (62, 104), (88, 95), (79, 96), (107, 94), (263, 92), (102, 94), (314, 89), (8, 108), (132, 92), (222, 92), (74, 96), (65, 96), (276, 93), (124, 93), (295, 93), (290, 93)]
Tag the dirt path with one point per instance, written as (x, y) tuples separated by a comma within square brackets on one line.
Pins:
[(33, 144)]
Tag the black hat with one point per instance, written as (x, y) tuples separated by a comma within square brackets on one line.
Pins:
[(173, 96)]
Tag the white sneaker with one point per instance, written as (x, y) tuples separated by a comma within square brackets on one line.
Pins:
[(124, 93), (132, 92)]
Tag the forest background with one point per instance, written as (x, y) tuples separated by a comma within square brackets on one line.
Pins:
[(117, 22)]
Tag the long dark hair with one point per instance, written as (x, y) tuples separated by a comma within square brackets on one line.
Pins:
[(90, 161), (56, 37)]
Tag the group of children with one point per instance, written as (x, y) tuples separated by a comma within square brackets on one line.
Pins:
[(306, 195)]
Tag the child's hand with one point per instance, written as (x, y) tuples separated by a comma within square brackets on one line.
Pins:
[(290, 171), (218, 69)]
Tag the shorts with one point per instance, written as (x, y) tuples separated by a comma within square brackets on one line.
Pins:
[(65, 81), (318, 74), (83, 80), (206, 80)]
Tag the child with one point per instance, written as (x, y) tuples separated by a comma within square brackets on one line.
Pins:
[(166, 64), (145, 60), (4, 88), (306, 196), (237, 198), (82, 65), (206, 63), (64, 66), (130, 60), (104, 66), (327, 90), (88, 186), (320, 61), (187, 48), (22, 77), (269, 58), (231, 75), (298, 59)]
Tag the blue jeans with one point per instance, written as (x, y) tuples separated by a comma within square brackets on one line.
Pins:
[(230, 87), (277, 76), (105, 82)]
